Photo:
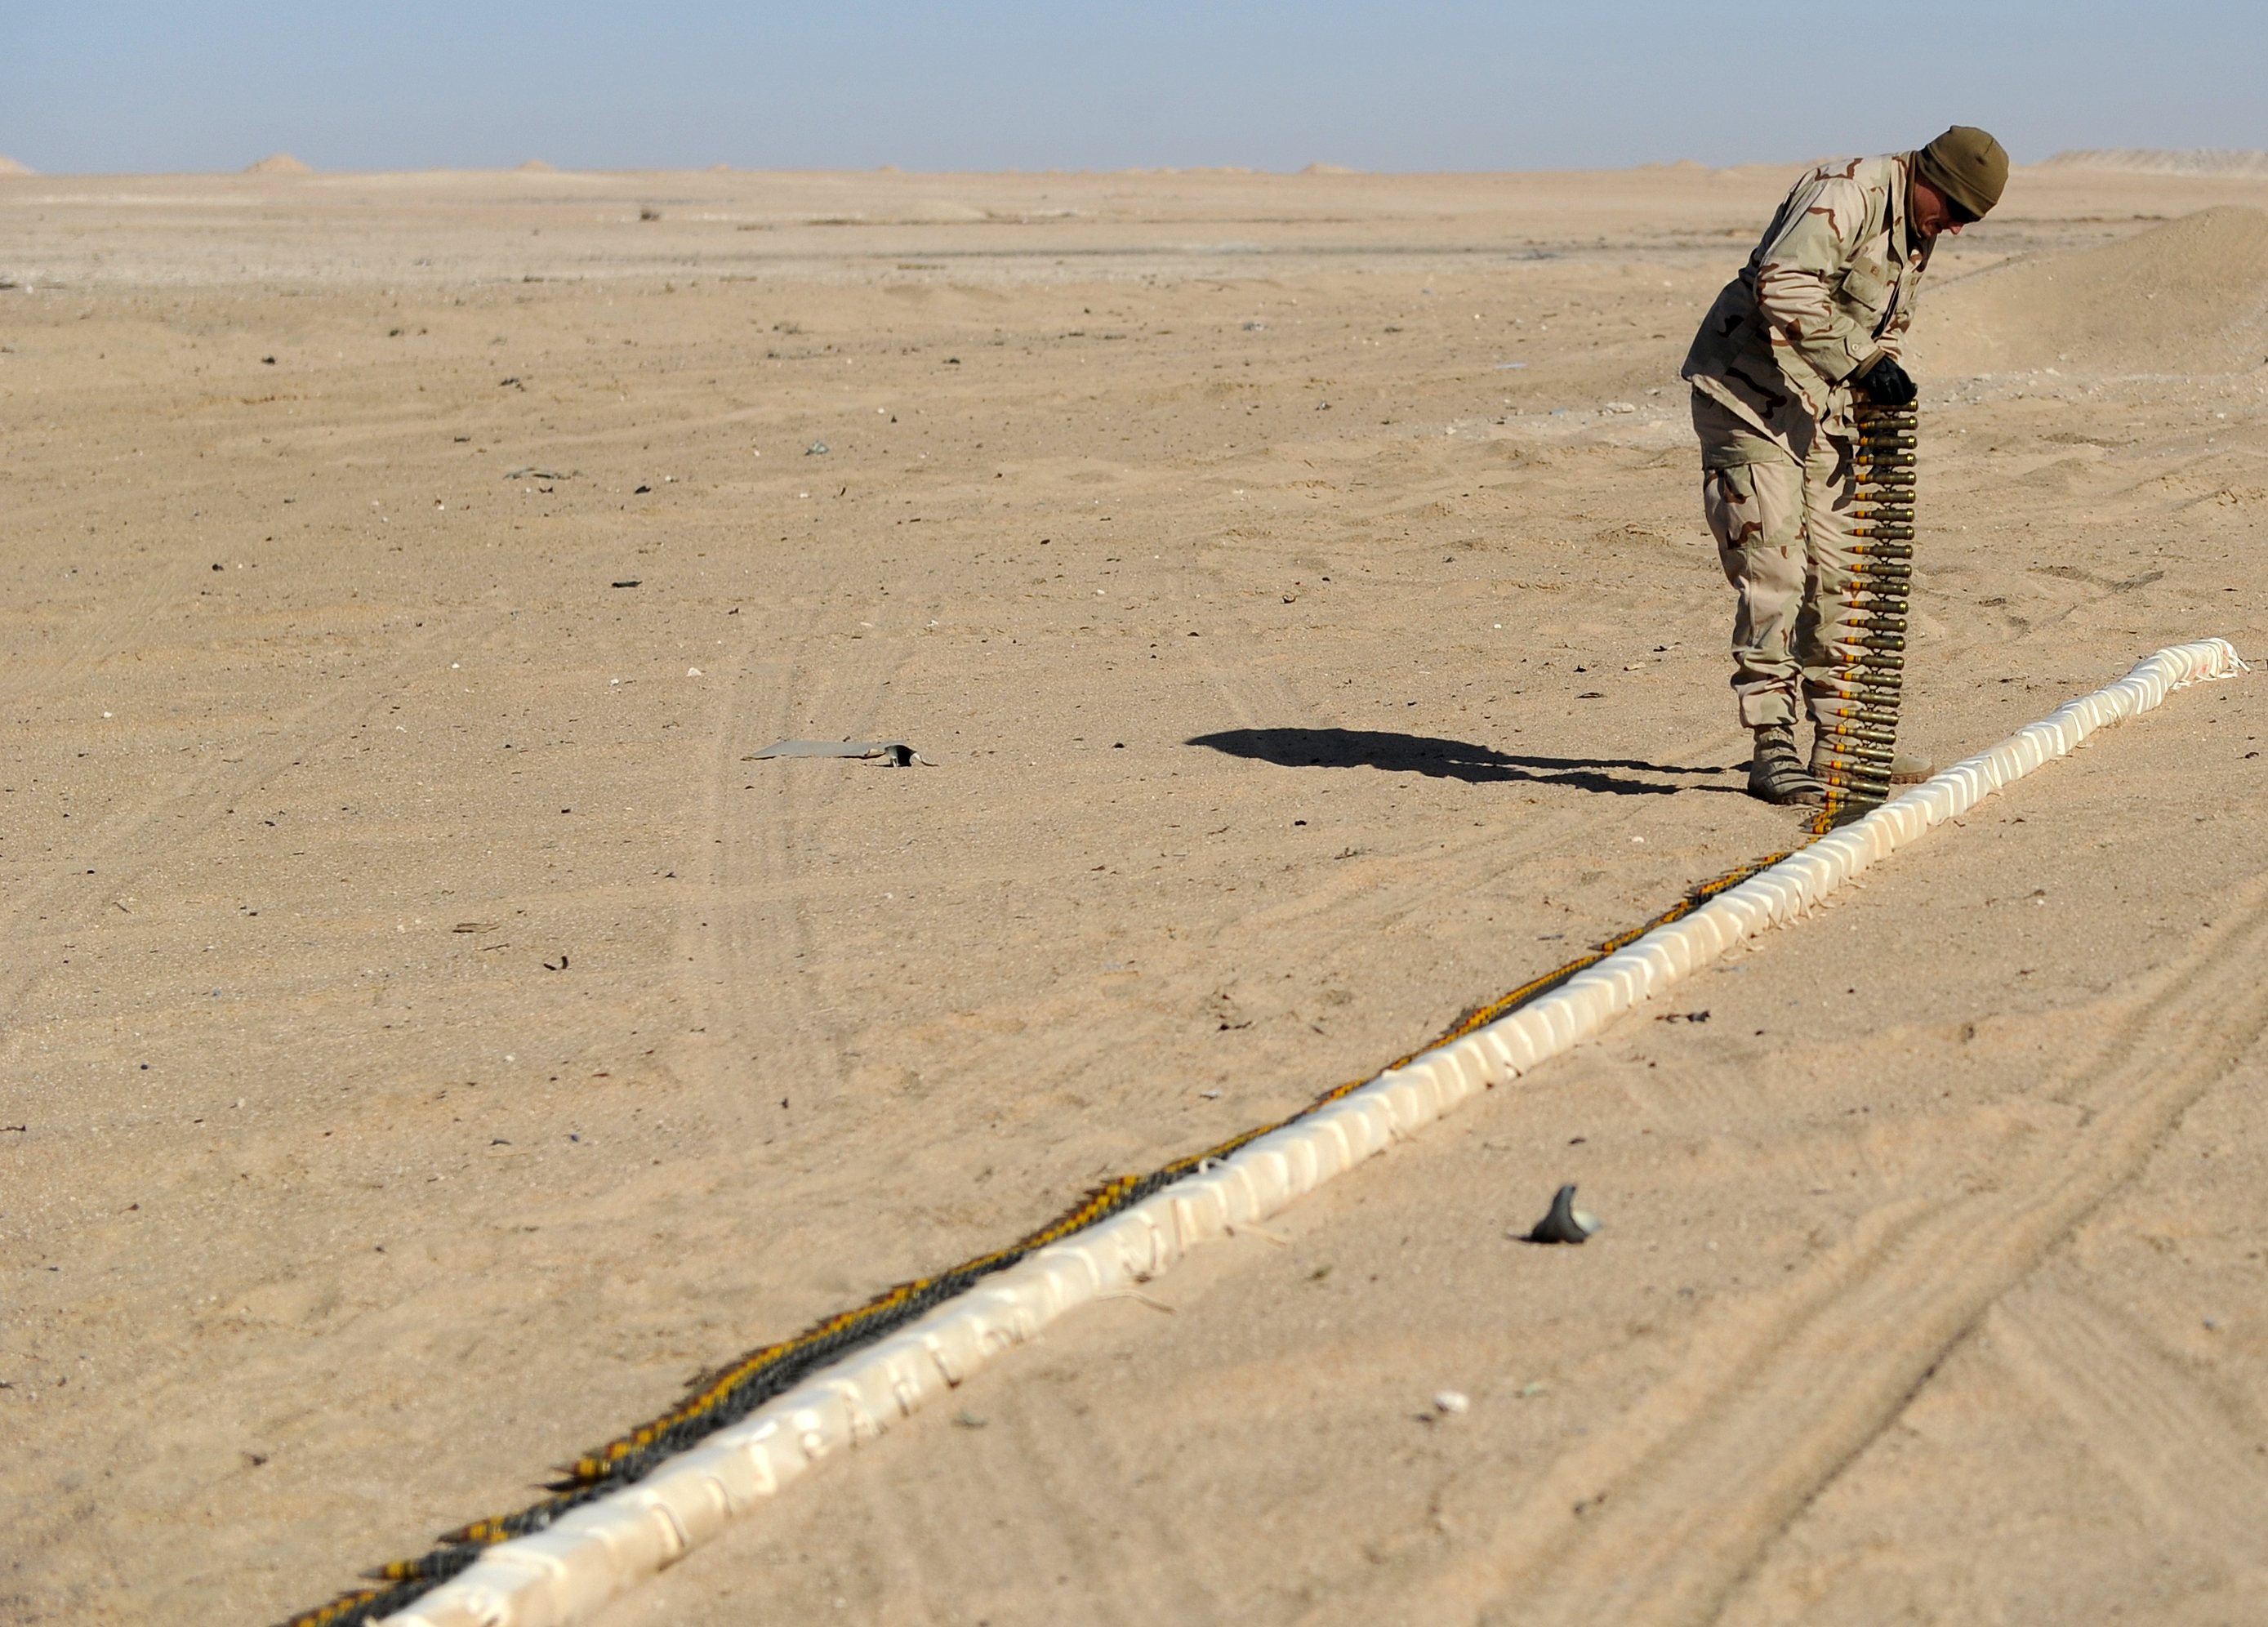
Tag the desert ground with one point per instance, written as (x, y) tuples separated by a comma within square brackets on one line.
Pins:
[(427, 1043)]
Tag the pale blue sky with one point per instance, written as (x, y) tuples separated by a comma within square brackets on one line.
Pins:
[(1425, 85)]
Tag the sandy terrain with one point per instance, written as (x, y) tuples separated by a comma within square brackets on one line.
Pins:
[(425, 1042)]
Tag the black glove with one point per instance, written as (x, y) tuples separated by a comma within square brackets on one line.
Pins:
[(1888, 384)]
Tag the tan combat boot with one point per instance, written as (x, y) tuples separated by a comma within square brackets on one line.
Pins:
[(1907, 767), (1777, 772), (1910, 768)]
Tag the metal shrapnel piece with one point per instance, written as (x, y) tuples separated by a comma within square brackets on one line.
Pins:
[(1565, 1223)]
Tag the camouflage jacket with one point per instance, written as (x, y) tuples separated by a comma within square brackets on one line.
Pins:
[(1829, 289)]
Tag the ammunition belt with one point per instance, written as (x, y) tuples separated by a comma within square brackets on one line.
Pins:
[(1868, 677)]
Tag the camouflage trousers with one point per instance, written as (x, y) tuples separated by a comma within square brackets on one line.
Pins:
[(1783, 538)]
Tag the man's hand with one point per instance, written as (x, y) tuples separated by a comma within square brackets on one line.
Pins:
[(1888, 385)]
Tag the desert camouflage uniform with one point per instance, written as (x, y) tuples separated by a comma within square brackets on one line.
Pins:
[(1828, 290)]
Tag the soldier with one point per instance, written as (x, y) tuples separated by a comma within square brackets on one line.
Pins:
[(1814, 323)]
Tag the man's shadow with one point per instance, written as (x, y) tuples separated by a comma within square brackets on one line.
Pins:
[(1461, 760)]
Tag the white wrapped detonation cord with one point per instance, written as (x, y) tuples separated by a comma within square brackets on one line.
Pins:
[(595, 1553)]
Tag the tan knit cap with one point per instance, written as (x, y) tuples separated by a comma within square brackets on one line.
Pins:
[(1967, 165)]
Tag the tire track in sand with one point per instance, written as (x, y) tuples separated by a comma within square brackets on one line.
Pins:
[(2191, 1471), (1658, 1519), (745, 968)]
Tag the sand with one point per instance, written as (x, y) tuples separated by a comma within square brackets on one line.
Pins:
[(428, 1043), (2187, 298)]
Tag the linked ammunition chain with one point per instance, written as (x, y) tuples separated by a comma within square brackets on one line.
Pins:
[(1868, 681), (729, 1395)]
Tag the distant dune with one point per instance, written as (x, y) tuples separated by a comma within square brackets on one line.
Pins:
[(9, 166), (2186, 297), (2160, 161), (279, 164)]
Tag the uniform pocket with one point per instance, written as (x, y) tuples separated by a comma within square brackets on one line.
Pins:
[(1866, 288)]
